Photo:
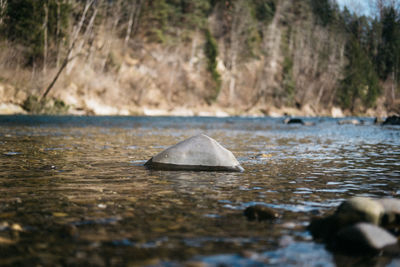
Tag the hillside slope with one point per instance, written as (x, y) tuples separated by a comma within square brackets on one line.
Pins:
[(160, 57)]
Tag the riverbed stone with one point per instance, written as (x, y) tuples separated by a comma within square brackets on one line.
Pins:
[(293, 121), (260, 213), (198, 153), (324, 228), (350, 121), (392, 120), (391, 214), (359, 209), (298, 121), (363, 237)]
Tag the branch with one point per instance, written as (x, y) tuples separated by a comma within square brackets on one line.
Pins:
[(68, 56)]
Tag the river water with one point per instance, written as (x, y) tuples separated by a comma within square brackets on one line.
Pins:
[(73, 190)]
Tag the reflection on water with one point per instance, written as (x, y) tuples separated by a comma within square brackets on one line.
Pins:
[(73, 190)]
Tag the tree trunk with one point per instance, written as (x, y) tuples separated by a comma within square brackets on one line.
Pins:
[(58, 33), (109, 41), (45, 33), (83, 39), (138, 10), (193, 50), (129, 27), (3, 6), (272, 45), (393, 87), (133, 21)]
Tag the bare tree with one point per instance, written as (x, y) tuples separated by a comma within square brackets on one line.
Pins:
[(68, 57), (58, 33), (45, 35), (134, 15), (272, 47), (3, 5), (83, 38), (379, 6), (116, 16), (238, 35)]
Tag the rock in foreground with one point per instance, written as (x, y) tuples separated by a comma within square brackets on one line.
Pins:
[(359, 209), (363, 237), (360, 224), (391, 214), (198, 153)]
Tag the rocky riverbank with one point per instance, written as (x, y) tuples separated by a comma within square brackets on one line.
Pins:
[(18, 101)]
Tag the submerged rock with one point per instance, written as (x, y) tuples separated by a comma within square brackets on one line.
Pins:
[(363, 237), (392, 120), (352, 121), (298, 121), (198, 153), (293, 121), (260, 213)]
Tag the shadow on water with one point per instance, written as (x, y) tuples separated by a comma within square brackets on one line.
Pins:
[(73, 190)]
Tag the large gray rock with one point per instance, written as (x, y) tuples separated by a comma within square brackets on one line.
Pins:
[(363, 237), (198, 153)]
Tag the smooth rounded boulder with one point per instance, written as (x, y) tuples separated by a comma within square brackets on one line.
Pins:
[(198, 153)]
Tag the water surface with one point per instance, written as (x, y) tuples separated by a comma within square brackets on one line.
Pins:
[(73, 190)]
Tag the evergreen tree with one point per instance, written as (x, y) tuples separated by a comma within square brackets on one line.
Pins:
[(324, 11), (24, 20), (373, 40), (211, 52), (389, 50), (360, 79), (24, 24), (263, 10), (195, 13), (163, 17)]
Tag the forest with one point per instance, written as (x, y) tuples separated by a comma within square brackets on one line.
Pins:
[(134, 57)]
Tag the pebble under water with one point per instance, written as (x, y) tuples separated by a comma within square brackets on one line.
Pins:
[(73, 190)]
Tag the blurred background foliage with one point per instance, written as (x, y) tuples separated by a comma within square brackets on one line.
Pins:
[(235, 32)]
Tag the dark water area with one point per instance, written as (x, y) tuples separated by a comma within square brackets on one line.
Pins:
[(73, 190)]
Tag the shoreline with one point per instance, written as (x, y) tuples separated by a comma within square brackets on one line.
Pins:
[(200, 111)]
